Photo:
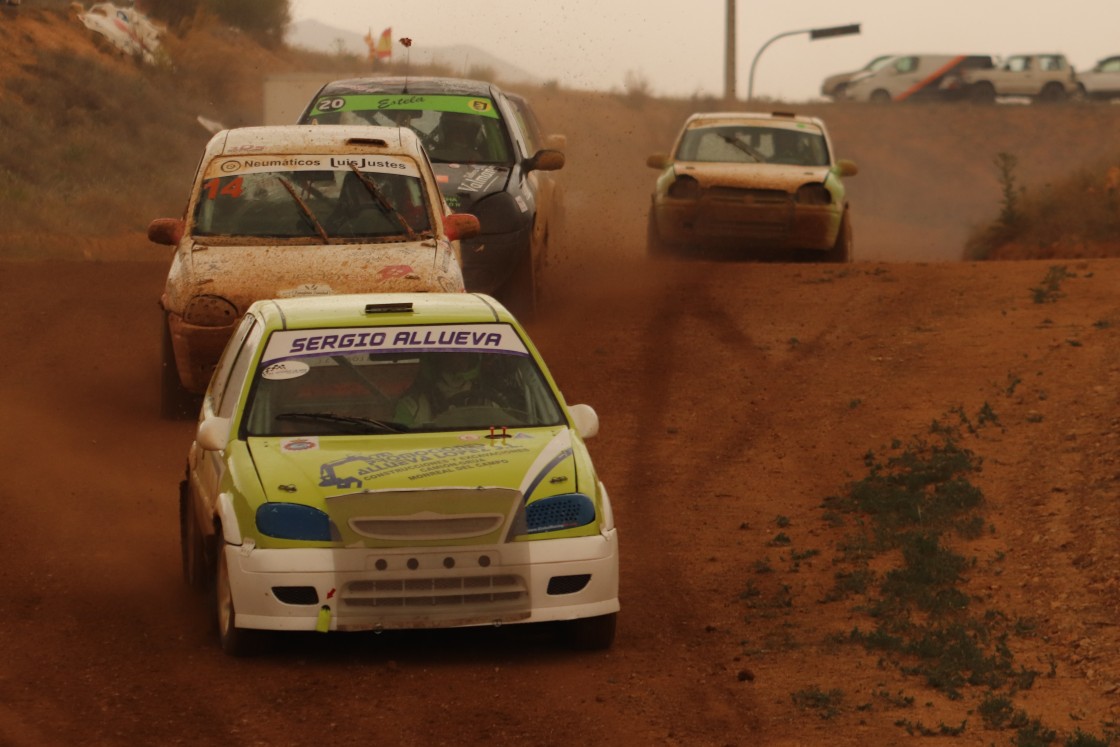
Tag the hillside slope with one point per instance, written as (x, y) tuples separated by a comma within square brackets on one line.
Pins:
[(927, 178)]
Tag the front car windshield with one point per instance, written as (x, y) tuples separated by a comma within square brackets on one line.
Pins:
[(312, 196), (375, 380), (750, 143), (454, 129)]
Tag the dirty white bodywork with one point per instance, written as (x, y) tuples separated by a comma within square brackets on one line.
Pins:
[(751, 201), (215, 277), (126, 29)]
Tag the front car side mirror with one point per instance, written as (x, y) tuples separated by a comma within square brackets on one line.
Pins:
[(585, 419), (168, 231), (844, 167), (461, 226), (213, 433), (658, 161), (545, 160)]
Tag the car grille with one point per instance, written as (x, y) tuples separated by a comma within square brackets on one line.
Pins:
[(754, 196), (436, 594), (431, 527)]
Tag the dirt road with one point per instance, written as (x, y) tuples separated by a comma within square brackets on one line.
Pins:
[(734, 400)]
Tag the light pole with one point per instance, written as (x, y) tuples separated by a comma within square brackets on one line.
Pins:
[(729, 64), (852, 28)]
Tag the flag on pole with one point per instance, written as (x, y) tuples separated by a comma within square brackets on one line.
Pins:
[(384, 49), (372, 54)]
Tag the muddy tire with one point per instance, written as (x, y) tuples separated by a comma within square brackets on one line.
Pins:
[(841, 251), (175, 402), (198, 570), (656, 247)]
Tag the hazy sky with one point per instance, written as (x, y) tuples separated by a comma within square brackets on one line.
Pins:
[(678, 47)]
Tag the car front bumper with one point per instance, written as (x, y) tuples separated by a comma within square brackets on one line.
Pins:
[(381, 589), (779, 223)]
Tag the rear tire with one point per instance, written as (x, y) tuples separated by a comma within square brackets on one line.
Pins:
[(175, 402), (982, 93), (197, 570), (879, 96), (1052, 93)]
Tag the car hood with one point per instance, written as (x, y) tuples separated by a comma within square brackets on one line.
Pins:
[(752, 175), (463, 185), (442, 480), (245, 273)]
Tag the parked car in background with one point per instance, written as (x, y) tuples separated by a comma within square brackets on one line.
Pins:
[(320, 495), (914, 77), (1040, 77), (491, 161), (1103, 81), (834, 86), (291, 211), (752, 185)]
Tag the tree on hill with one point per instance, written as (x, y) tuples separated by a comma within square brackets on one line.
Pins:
[(264, 20)]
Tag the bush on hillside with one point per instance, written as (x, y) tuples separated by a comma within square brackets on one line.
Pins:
[(264, 20), (1077, 217)]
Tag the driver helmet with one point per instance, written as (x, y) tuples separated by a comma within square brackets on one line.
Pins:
[(457, 371), (460, 129)]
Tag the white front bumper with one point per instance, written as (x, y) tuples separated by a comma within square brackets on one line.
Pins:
[(380, 589)]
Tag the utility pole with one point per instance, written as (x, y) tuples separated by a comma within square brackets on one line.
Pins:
[(729, 54)]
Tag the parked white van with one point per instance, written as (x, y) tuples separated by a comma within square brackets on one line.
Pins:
[(914, 77)]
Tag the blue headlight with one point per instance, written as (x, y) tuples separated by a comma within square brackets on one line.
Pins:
[(294, 521), (559, 512)]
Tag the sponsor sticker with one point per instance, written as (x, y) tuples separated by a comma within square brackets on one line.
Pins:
[(298, 343), (284, 370), (307, 443), (270, 163)]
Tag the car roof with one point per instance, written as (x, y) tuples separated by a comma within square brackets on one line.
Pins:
[(711, 118), (411, 84), (246, 141), (379, 310)]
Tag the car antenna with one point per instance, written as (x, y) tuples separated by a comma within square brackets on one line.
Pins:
[(407, 46)]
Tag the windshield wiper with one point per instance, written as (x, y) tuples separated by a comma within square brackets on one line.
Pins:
[(350, 420), (734, 140), (384, 204), (306, 210)]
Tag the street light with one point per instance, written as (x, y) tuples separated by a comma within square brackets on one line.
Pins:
[(825, 33)]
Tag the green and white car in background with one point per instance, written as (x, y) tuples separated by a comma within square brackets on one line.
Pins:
[(318, 496)]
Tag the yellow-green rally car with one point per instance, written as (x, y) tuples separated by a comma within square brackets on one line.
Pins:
[(370, 462)]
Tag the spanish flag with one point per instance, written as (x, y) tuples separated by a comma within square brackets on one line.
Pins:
[(384, 49), (372, 55)]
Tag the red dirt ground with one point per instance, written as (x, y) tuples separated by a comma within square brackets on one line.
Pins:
[(734, 399)]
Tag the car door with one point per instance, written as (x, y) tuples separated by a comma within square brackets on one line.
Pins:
[(207, 467)]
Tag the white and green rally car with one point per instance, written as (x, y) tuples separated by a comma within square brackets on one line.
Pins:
[(369, 462)]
